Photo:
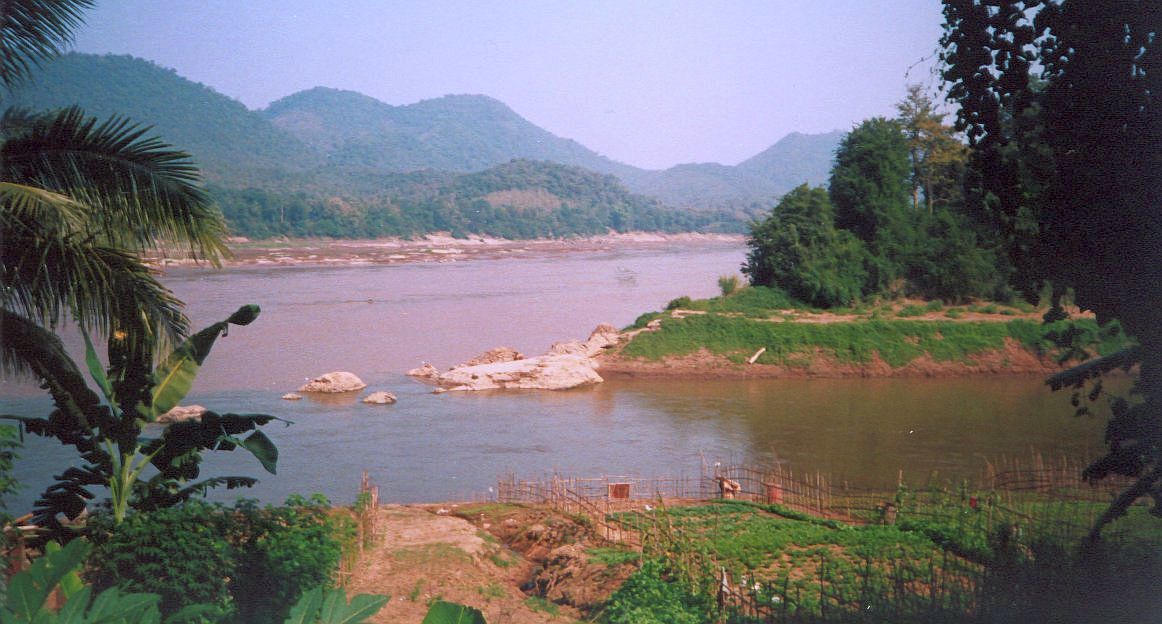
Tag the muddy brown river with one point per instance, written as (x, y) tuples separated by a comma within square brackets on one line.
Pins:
[(379, 320)]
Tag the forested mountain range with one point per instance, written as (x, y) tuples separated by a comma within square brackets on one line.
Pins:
[(325, 145)]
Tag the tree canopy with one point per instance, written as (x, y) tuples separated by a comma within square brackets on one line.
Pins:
[(799, 249), (1059, 101), (869, 235)]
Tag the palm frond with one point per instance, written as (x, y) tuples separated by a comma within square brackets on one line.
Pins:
[(48, 277), (143, 194), (28, 349), (34, 30), (51, 210)]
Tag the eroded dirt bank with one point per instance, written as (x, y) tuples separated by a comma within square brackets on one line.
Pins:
[(517, 564)]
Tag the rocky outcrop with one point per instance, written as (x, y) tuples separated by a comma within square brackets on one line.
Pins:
[(566, 365), (182, 413), (338, 381), (546, 372), (425, 371), (495, 356), (380, 398)]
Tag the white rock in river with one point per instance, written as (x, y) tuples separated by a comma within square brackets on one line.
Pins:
[(545, 372), (182, 413), (492, 356), (291, 396), (338, 381), (380, 398), (566, 365)]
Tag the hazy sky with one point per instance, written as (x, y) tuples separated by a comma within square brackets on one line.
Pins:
[(649, 83)]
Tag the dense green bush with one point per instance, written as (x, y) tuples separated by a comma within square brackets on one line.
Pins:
[(650, 597), (251, 562), (184, 554), (286, 551), (799, 250)]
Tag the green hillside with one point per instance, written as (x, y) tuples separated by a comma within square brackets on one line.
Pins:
[(519, 199), (230, 143), (453, 133), (795, 159)]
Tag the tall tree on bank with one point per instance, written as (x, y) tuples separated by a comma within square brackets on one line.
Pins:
[(937, 157), (870, 191), (1068, 174)]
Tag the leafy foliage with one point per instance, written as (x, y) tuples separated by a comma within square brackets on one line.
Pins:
[(443, 612), (28, 593), (9, 442), (518, 199), (871, 239), (79, 201), (869, 189), (331, 607), (1057, 173), (109, 437), (183, 554), (248, 562), (799, 250), (285, 551), (652, 596), (32, 31)]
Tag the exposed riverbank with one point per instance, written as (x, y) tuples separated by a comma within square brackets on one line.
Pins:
[(441, 247)]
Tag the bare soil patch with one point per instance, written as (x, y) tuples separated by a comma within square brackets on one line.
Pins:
[(492, 557)]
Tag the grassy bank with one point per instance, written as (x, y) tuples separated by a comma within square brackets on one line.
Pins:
[(737, 326)]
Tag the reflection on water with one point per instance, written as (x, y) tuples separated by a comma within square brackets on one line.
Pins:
[(379, 321)]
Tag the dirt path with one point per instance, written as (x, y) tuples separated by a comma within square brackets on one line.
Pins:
[(482, 556)]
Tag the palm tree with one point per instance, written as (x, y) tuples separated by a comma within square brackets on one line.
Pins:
[(80, 203)]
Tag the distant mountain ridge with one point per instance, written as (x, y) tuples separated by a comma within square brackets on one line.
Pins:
[(227, 140), (454, 133), (330, 141)]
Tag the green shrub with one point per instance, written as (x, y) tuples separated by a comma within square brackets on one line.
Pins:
[(911, 310), (728, 284), (183, 554), (287, 550), (798, 248), (251, 563), (650, 597), (680, 302)]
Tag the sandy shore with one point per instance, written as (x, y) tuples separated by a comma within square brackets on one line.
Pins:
[(442, 248)]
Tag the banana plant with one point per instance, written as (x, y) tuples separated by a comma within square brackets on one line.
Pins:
[(330, 606), (442, 612), (108, 434), (59, 570)]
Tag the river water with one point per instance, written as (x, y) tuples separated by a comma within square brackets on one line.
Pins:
[(381, 320)]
